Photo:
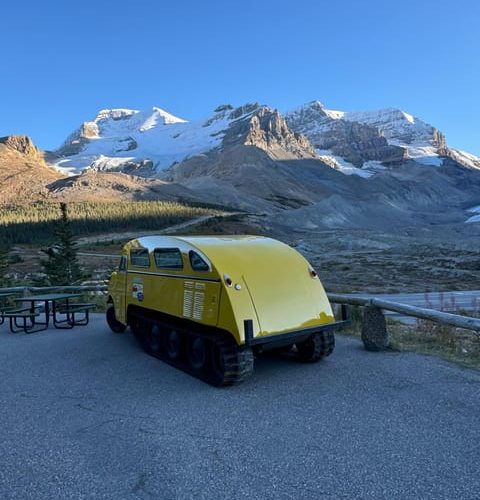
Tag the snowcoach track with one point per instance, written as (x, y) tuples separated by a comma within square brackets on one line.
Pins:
[(226, 363)]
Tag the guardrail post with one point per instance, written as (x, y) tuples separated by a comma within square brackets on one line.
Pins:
[(374, 329)]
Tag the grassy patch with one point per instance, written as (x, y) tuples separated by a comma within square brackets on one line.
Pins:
[(97, 298), (425, 337), (446, 342)]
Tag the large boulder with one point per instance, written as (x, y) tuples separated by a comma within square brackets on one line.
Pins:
[(374, 329)]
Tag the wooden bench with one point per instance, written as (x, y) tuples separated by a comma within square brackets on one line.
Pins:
[(14, 315), (70, 311)]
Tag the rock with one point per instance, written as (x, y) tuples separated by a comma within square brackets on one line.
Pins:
[(242, 110), (467, 343), (374, 329), (20, 143), (223, 107), (130, 145), (357, 143), (24, 174), (267, 130)]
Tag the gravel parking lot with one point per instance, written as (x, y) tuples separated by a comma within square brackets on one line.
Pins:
[(86, 414)]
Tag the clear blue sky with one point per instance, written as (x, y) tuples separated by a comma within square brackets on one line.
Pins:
[(62, 61)]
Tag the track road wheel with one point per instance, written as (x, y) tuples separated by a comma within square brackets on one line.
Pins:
[(154, 341), (197, 352), (173, 344), (217, 363), (137, 325), (317, 346), (330, 343), (112, 321)]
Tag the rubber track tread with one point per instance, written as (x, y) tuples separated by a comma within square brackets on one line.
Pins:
[(238, 360), (318, 346)]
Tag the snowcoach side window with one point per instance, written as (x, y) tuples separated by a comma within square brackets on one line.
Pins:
[(139, 257), (168, 258), (197, 263), (122, 266)]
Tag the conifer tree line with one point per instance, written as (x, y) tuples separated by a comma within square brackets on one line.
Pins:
[(4, 264), (35, 223)]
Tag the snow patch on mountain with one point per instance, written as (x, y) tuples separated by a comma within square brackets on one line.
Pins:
[(467, 159), (426, 155), (476, 217), (343, 166), (333, 114)]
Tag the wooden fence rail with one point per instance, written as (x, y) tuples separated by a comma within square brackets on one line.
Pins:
[(47, 289), (417, 312)]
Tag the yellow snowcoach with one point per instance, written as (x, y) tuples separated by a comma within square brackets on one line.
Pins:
[(208, 304)]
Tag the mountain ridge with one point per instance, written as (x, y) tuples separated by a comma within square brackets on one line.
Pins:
[(308, 168), (119, 138)]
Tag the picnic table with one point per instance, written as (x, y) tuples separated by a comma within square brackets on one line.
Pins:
[(54, 304), (4, 304), (4, 296)]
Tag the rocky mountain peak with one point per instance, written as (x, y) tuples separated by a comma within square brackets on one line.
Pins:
[(223, 107), (246, 109), (266, 129), (302, 117), (24, 174), (387, 135), (114, 114), (397, 125), (316, 104), (332, 136), (20, 143)]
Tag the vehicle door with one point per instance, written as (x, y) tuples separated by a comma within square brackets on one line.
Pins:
[(118, 288)]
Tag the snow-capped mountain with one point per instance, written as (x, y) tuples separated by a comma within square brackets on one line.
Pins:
[(152, 140), (363, 142), (362, 139), (360, 143), (312, 167)]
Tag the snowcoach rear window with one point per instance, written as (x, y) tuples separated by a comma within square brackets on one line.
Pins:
[(139, 257), (169, 258), (197, 263)]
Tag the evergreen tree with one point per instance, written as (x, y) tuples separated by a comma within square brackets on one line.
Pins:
[(62, 266), (4, 264)]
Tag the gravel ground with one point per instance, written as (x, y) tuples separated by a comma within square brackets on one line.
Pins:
[(86, 414)]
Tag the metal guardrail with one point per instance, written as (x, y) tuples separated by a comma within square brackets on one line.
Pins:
[(418, 312)]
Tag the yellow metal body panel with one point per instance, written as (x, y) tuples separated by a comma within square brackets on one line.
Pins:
[(271, 285), (116, 290)]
